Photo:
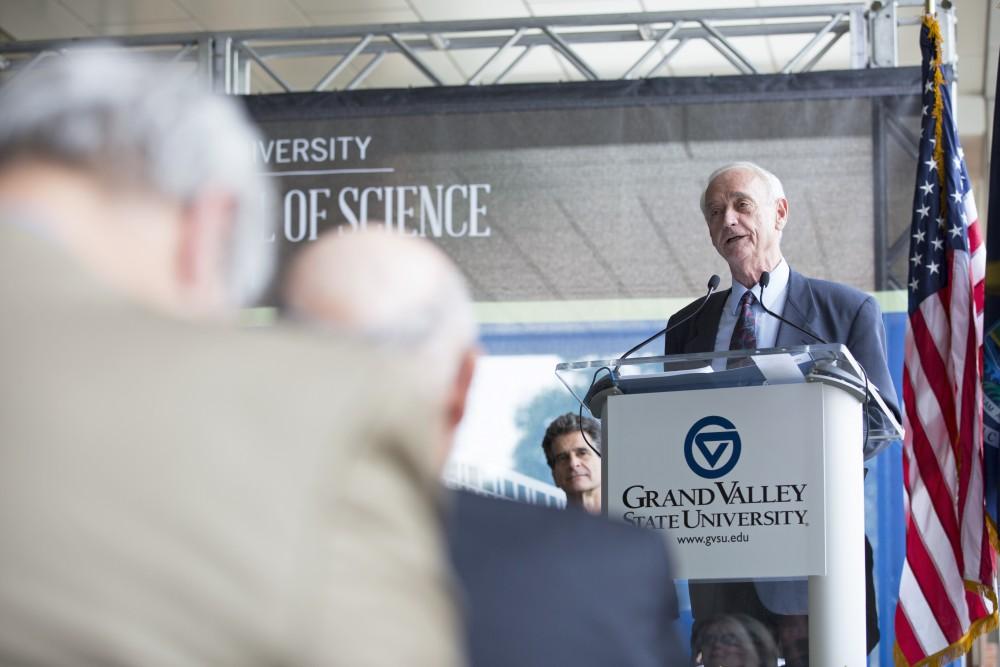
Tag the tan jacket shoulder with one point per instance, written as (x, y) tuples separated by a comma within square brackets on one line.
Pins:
[(176, 493)]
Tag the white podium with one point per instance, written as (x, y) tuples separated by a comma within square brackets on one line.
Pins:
[(751, 465)]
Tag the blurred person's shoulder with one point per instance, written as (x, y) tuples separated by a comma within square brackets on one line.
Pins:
[(550, 526), (81, 328), (313, 375), (559, 586), (287, 452)]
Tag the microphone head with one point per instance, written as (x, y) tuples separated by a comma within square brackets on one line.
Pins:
[(713, 282), (765, 278)]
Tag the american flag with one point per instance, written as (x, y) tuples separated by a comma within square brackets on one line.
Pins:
[(947, 593)]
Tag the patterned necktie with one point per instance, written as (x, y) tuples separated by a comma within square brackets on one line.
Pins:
[(745, 331)]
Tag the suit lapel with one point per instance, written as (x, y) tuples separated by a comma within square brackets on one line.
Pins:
[(799, 309), (706, 324)]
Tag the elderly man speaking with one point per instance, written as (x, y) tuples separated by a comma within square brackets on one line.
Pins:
[(747, 211)]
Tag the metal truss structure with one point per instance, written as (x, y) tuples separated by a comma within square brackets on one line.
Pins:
[(250, 61), (233, 62)]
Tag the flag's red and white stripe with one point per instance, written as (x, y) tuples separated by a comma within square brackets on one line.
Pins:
[(949, 564)]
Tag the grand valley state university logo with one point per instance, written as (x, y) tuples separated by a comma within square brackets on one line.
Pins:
[(712, 447)]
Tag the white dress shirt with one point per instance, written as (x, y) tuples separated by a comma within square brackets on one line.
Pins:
[(766, 326)]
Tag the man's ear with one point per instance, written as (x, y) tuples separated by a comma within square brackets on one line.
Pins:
[(206, 227), (454, 408), (460, 389), (781, 206)]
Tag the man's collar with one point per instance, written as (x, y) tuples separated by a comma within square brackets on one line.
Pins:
[(775, 288)]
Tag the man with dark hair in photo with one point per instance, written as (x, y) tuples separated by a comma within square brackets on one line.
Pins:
[(572, 446)]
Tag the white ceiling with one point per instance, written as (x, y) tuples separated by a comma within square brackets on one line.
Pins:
[(50, 19)]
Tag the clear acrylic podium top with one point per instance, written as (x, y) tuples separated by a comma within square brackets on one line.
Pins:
[(591, 382)]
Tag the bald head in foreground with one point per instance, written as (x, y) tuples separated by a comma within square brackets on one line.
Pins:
[(175, 491), (401, 293), (539, 590)]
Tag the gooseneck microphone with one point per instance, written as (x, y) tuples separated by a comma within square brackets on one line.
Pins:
[(764, 279), (713, 284), (599, 390)]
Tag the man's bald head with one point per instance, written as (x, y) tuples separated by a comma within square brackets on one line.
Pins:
[(398, 291)]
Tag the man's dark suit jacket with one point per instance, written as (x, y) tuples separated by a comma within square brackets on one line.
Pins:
[(550, 587), (836, 313)]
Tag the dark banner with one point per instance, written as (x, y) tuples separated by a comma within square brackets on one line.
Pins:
[(586, 191)]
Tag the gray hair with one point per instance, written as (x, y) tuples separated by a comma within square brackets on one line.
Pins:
[(774, 188), (140, 125)]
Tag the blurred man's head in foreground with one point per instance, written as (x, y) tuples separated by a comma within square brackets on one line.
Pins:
[(142, 174), (397, 291)]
